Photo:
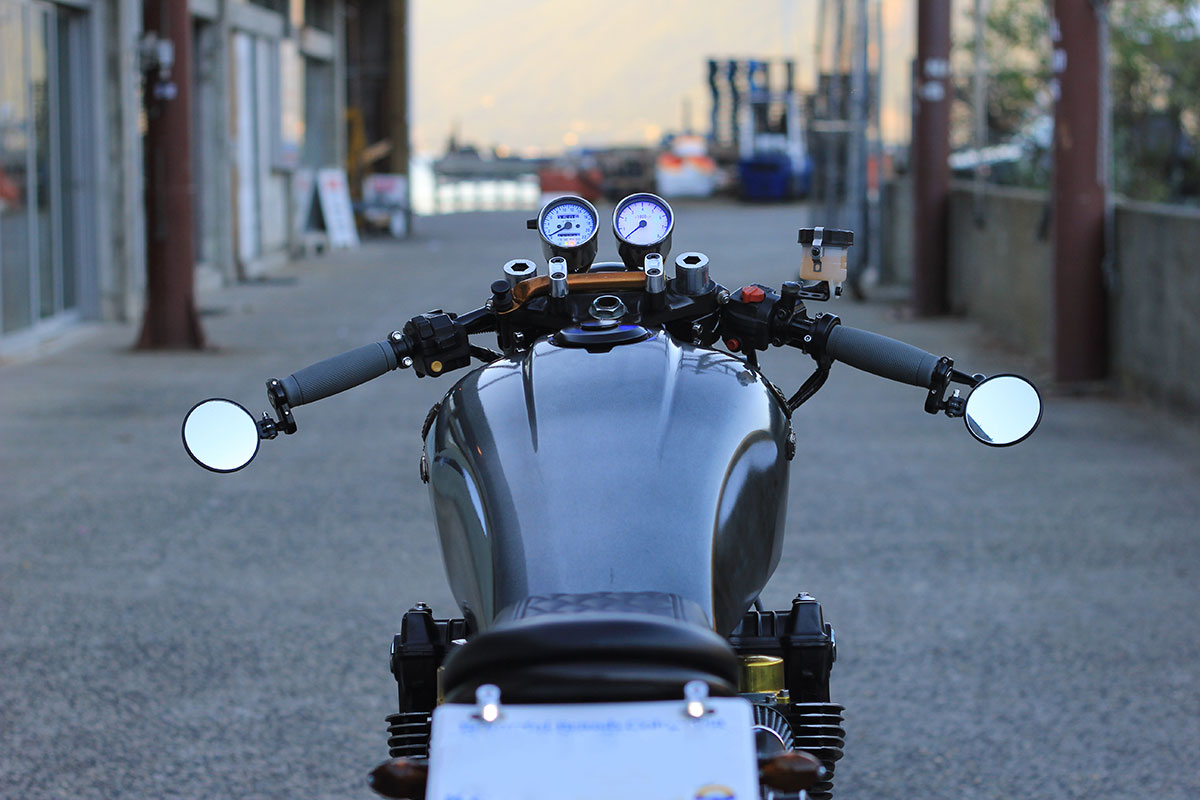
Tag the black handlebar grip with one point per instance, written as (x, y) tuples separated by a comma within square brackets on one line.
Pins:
[(339, 373), (881, 355)]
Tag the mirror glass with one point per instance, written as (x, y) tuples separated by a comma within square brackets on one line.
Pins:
[(1003, 410), (220, 435)]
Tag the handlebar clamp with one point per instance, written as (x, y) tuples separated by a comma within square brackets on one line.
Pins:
[(284, 421), (934, 401)]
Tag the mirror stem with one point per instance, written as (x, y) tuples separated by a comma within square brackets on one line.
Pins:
[(267, 429), (969, 380)]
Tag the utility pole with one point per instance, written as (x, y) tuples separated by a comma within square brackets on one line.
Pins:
[(171, 321), (930, 154), (837, 142), (1078, 196), (398, 97), (856, 142)]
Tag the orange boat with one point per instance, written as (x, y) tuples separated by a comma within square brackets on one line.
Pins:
[(560, 179)]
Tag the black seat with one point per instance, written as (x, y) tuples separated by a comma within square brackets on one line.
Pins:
[(597, 647)]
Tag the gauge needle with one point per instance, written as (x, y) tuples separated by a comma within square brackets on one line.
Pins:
[(641, 224), (563, 227)]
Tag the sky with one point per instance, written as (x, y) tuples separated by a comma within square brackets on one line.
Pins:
[(539, 76)]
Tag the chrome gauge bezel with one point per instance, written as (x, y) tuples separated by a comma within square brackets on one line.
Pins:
[(580, 256), (633, 255)]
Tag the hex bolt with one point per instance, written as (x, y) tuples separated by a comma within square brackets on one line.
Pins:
[(691, 273), (519, 269), (487, 703)]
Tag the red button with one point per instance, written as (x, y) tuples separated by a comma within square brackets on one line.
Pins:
[(752, 294)]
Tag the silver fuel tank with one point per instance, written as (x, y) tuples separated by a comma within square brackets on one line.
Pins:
[(655, 466)]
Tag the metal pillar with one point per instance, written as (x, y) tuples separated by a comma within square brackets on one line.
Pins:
[(1078, 197), (930, 154), (735, 99), (979, 137), (171, 321), (714, 123)]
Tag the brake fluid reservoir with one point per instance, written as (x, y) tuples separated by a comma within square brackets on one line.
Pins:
[(825, 253)]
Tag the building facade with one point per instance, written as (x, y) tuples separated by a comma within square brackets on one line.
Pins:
[(267, 84)]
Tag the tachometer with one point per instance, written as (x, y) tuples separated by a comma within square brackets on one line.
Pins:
[(568, 228), (642, 223)]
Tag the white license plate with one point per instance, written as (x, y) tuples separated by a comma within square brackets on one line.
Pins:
[(596, 751)]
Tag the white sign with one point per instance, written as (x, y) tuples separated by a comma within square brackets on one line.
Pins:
[(303, 191), (334, 194), (386, 190), (385, 201), (601, 751)]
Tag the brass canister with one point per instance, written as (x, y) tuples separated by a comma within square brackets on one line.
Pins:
[(761, 674)]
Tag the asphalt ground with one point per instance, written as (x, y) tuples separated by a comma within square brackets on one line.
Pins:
[(1016, 622)]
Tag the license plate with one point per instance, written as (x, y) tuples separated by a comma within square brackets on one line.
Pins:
[(596, 751)]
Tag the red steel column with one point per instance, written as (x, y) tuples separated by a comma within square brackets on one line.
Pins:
[(1080, 304), (930, 154), (171, 321)]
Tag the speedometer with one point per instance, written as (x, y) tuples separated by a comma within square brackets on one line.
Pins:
[(568, 228), (568, 223), (642, 224), (642, 219)]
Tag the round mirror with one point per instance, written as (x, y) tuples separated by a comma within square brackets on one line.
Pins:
[(220, 435), (1003, 410)]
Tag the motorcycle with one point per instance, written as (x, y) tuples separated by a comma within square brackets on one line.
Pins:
[(609, 488)]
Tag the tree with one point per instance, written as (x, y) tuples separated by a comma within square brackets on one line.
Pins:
[(1154, 62), (1155, 82)]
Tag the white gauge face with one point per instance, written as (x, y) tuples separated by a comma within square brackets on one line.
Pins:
[(568, 224), (643, 219)]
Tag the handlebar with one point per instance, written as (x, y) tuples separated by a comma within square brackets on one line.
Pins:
[(342, 372), (440, 337), (882, 356)]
